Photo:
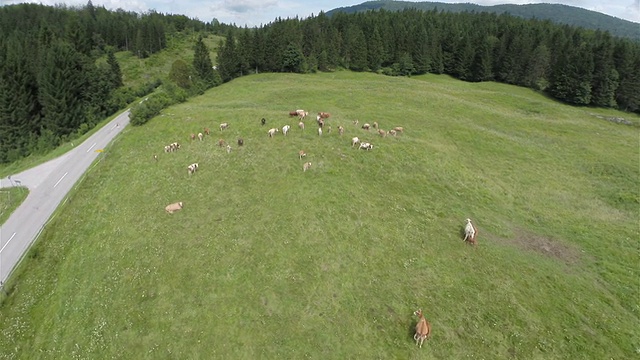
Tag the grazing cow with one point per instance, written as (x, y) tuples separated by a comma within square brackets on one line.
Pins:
[(293, 113), (366, 126), (321, 122), (302, 114), (263, 121), (324, 115), (392, 132), (301, 125), (272, 132), (375, 124), (366, 146), (207, 131), (301, 154), (155, 157), (200, 136), (172, 147), (329, 129), (355, 141), (306, 166), (173, 207), (192, 168), (398, 129), (193, 136), (470, 233), (221, 142), (355, 122), (285, 129), (224, 126), (319, 131), (382, 133), (228, 149), (423, 328), (340, 130), (240, 142)]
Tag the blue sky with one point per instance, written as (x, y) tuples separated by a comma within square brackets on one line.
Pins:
[(257, 12)]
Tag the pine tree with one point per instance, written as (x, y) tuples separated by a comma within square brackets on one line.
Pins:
[(293, 59), (202, 63), (114, 67), (228, 64), (61, 82)]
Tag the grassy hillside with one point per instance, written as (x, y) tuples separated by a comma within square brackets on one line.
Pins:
[(266, 261)]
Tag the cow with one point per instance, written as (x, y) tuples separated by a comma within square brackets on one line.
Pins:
[(263, 121), (375, 124), (200, 136), (301, 154), (423, 328), (382, 133), (324, 115), (221, 142), (470, 232), (193, 136), (228, 149), (319, 131), (285, 129), (171, 208), (272, 132), (392, 132), (366, 146), (355, 141), (399, 129), (340, 130), (192, 168), (306, 166), (240, 142), (301, 125), (366, 126), (224, 126), (207, 131)]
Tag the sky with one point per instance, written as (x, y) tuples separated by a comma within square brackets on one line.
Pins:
[(261, 12)]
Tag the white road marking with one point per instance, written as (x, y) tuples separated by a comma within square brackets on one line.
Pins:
[(65, 174), (94, 144), (5, 245)]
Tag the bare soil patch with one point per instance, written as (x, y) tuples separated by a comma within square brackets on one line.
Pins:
[(547, 246)]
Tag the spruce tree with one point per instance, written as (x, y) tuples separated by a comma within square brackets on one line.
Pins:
[(114, 67), (202, 63)]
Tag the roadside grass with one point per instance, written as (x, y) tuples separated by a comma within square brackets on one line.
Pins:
[(10, 199), (267, 261)]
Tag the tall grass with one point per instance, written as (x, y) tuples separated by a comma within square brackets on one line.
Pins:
[(267, 261)]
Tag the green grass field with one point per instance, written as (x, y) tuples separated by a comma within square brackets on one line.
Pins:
[(267, 261)]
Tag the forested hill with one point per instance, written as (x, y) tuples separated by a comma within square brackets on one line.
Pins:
[(561, 14)]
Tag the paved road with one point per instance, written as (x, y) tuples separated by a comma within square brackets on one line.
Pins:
[(48, 185)]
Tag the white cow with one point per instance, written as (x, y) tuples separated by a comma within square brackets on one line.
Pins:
[(285, 129)]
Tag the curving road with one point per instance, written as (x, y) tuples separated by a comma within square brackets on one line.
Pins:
[(48, 185)]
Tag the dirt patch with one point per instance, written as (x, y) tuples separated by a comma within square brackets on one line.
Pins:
[(547, 246)]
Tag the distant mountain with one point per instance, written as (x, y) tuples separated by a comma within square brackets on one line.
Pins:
[(562, 14)]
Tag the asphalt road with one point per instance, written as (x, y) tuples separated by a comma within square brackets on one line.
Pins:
[(48, 185)]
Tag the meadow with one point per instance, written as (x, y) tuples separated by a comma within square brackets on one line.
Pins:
[(267, 261)]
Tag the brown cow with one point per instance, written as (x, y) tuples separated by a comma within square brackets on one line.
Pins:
[(423, 328)]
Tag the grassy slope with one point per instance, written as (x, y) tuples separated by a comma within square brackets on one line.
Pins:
[(270, 262)]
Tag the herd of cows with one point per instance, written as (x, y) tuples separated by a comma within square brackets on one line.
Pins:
[(423, 327)]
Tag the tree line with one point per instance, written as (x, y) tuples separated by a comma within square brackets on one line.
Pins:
[(55, 84), (573, 65)]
